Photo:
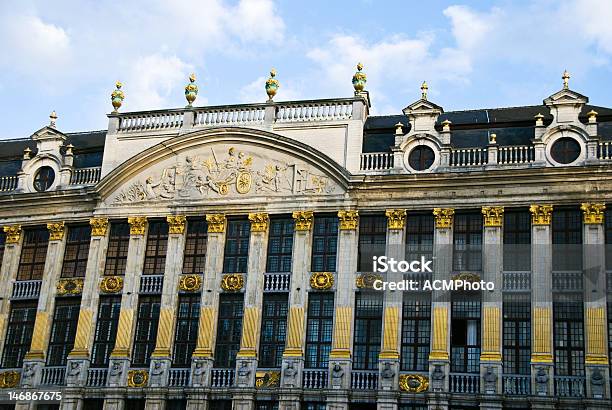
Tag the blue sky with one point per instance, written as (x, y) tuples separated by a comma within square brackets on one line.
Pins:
[(474, 54)]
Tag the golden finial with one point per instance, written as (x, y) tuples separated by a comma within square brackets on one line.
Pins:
[(53, 118), (446, 125), (27, 152), (272, 85), (539, 119), (191, 90), (117, 96), (69, 149), (399, 128), (565, 78), (359, 79), (424, 88), (592, 115), (493, 139)]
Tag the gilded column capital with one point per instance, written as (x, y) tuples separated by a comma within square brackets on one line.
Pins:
[(493, 215), (259, 222), (541, 214), (348, 220), (137, 225), (98, 226), (396, 218), (176, 223), (593, 213), (303, 220), (216, 223), (56, 231), (444, 217), (13, 233)]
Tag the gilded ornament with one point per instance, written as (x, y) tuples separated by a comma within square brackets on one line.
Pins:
[(565, 77), (321, 280), (539, 119), (232, 282), (466, 277), (13, 233), (366, 280), (191, 90), (259, 222), (359, 79), (137, 225), (56, 231), (493, 215), (52, 119), (348, 220), (9, 379), (541, 214), (396, 218), (117, 97), (111, 284), (493, 139), (424, 88), (216, 223), (72, 286), (444, 217), (413, 383), (98, 226), (593, 213), (268, 379), (176, 223), (272, 85), (592, 116), (244, 182), (190, 283), (137, 378), (303, 220), (27, 153)]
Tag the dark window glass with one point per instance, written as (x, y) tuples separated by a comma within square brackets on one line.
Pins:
[(118, 244), (567, 239), (106, 330), (33, 254), (517, 335), (186, 335), (517, 240), (569, 336), (465, 336), (416, 324), (145, 337), (273, 330), (280, 245), (421, 158), (266, 405), (319, 329), (229, 330), (407, 406), (220, 404), (419, 236), (77, 251), (157, 244), (63, 330), (372, 240), (2, 243), (44, 178), (368, 330), (19, 333), (313, 405), (467, 241), (93, 404), (135, 404), (565, 150), (324, 243), (236, 253), (176, 404), (194, 260)]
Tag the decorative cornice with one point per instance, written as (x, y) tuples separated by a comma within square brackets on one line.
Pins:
[(321, 280), (138, 225), (98, 226), (232, 282), (56, 231), (190, 283), (13, 233), (176, 224), (348, 220), (303, 220), (396, 218), (111, 284), (593, 213), (259, 222), (444, 217), (493, 216), (216, 223), (541, 214)]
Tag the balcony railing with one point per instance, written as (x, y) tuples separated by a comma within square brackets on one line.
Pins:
[(277, 282), (516, 154), (570, 386), (376, 161), (569, 281), (604, 150), (151, 284), (178, 377), (8, 183), (364, 380), (97, 377), (517, 281), (53, 376), (26, 289), (314, 379), (465, 383), (517, 384), (468, 157), (222, 377), (86, 176)]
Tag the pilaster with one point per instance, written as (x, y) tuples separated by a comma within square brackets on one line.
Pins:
[(8, 274)]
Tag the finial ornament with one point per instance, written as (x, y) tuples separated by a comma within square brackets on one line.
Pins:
[(539, 119), (191, 90), (446, 125), (424, 88), (272, 85), (566, 76), (117, 97), (399, 129), (592, 115), (359, 79), (53, 119), (27, 152)]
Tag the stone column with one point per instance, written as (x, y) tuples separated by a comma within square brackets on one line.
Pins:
[(594, 260), (8, 273), (293, 356), (439, 363), (35, 358), (492, 304), (541, 303), (79, 357)]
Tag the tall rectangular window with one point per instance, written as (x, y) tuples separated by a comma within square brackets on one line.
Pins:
[(2, 243), (517, 335), (186, 334), (117, 252), (63, 330), (416, 324), (106, 330), (229, 329), (517, 240), (19, 333), (273, 330), (280, 245), (319, 329), (77, 251), (368, 330), (467, 241), (236, 254), (324, 243), (33, 254), (147, 320), (419, 236), (568, 336), (157, 245), (465, 335), (567, 239), (194, 259), (372, 240)]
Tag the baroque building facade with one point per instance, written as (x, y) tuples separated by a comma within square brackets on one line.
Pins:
[(221, 257)]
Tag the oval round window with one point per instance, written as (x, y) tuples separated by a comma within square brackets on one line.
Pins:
[(421, 158), (45, 176), (565, 150)]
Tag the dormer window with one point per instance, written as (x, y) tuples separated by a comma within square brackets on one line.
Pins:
[(45, 176), (565, 150)]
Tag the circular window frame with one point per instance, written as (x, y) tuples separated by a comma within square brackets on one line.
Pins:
[(38, 171), (423, 148), (421, 141), (565, 134)]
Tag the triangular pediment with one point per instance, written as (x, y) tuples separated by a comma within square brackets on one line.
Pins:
[(422, 106), (48, 132), (566, 96)]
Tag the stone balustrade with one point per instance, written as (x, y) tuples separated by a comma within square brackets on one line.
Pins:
[(315, 378), (53, 376), (86, 176), (277, 282), (26, 289), (464, 383)]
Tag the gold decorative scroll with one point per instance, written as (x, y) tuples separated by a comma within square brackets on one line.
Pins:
[(439, 344), (390, 348), (70, 287), (295, 333), (9, 379), (541, 214), (341, 348), (259, 222), (596, 352), (413, 383), (444, 217), (190, 283), (593, 213), (491, 335), (542, 347), (250, 329), (205, 332), (98, 226), (396, 218), (348, 220), (111, 284), (268, 379), (493, 215), (13, 233), (176, 224), (138, 225), (232, 282), (321, 280), (137, 378), (56, 231), (303, 220), (216, 223)]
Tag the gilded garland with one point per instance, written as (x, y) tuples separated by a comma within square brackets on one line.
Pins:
[(9, 379), (13, 233), (232, 282), (190, 283), (111, 284), (69, 287), (269, 379), (366, 280), (138, 378), (321, 280), (413, 383)]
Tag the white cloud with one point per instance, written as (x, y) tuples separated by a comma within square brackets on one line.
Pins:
[(255, 92)]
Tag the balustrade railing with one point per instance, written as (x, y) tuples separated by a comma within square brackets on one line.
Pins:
[(314, 379), (178, 377), (570, 386), (314, 111), (465, 383), (97, 377), (604, 150), (364, 379), (151, 284), (468, 157), (222, 377), (517, 384), (277, 282), (86, 176), (53, 376), (516, 154), (150, 120), (237, 115), (8, 183), (375, 161), (26, 289), (569, 281), (517, 281)]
